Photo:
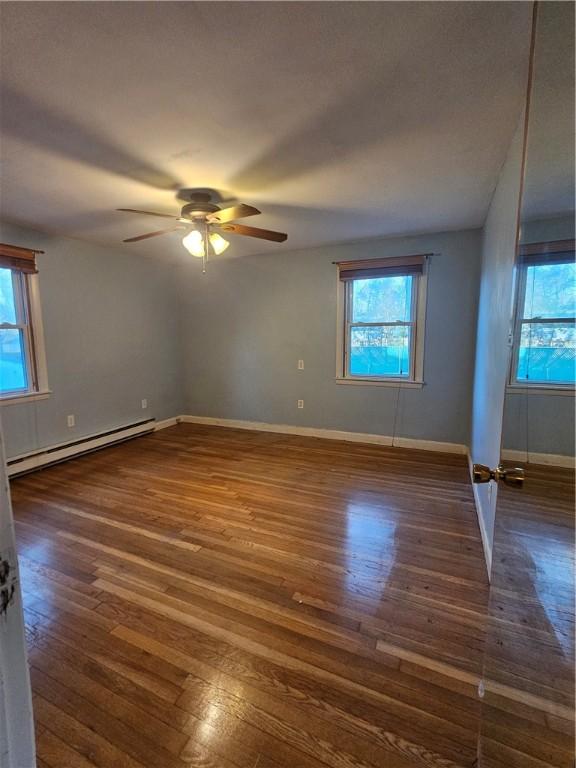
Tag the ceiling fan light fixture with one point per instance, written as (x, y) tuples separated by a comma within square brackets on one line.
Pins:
[(194, 243), (218, 243)]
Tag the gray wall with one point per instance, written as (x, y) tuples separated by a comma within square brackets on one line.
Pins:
[(543, 230), (246, 322), (542, 423), (112, 332), (539, 423), (494, 324)]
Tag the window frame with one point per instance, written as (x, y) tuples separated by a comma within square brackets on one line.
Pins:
[(535, 386), (29, 322), (414, 378)]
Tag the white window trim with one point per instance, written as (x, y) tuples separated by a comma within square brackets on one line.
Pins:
[(374, 382), (416, 379), (538, 389), (35, 347), (516, 386)]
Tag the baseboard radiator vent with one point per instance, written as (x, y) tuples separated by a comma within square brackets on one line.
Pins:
[(28, 462)]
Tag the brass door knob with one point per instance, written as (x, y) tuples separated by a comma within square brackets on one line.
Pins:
[(513, 476)]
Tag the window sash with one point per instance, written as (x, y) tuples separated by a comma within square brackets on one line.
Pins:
[(20, 288), (543, 320), (520, 321), (410, 374)]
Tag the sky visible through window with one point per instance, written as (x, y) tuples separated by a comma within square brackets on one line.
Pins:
[(12, 358), (381, 350), (547, 349)]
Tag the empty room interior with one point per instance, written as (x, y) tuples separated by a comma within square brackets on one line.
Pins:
[(287, 366)]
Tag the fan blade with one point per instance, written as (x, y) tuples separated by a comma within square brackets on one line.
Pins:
[(148, 213), (263, 234), (151, 234), (240, 211)]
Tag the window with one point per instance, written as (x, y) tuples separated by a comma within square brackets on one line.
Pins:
[(381, 322), (22, 364), (544, 332)]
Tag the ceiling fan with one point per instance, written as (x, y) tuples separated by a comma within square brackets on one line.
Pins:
[(204, 220)]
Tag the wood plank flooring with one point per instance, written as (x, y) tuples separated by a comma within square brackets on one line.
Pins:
[(528, 709), (220, 598)]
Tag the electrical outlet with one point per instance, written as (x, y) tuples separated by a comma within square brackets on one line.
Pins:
[(300, 365), (300, 403), (71, 420), (144, 403)]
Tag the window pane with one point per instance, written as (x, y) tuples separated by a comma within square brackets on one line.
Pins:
[(547, 352), (12, 361), (550, 291), (382, 299), (380, 351), (7, 304)]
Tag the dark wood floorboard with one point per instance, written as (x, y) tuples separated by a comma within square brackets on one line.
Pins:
[(528, 710), (221, 598)]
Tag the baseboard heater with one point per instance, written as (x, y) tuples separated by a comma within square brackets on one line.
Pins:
[(28, 462)]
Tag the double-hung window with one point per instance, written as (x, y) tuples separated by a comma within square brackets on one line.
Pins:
[(22, 362), (544, 330), (381, 320)]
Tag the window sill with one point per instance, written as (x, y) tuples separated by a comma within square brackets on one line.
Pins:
[(380, 382), (535, 389), (27, 397)]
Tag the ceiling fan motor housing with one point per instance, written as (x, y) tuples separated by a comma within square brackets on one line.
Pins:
[(198, 209)]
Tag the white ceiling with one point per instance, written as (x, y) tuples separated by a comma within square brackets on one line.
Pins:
[(549, 180), (340, 120)]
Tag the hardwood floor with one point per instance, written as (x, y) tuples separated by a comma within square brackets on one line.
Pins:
[(214, 597), (528, 709)]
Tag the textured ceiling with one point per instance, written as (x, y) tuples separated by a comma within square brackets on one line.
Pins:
[(549, 180), (339, 120)]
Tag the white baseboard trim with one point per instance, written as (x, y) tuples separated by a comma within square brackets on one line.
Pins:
[(486, 543), (430, 445), (549, 459), (166, 423), (54, 454), (329, 434)]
